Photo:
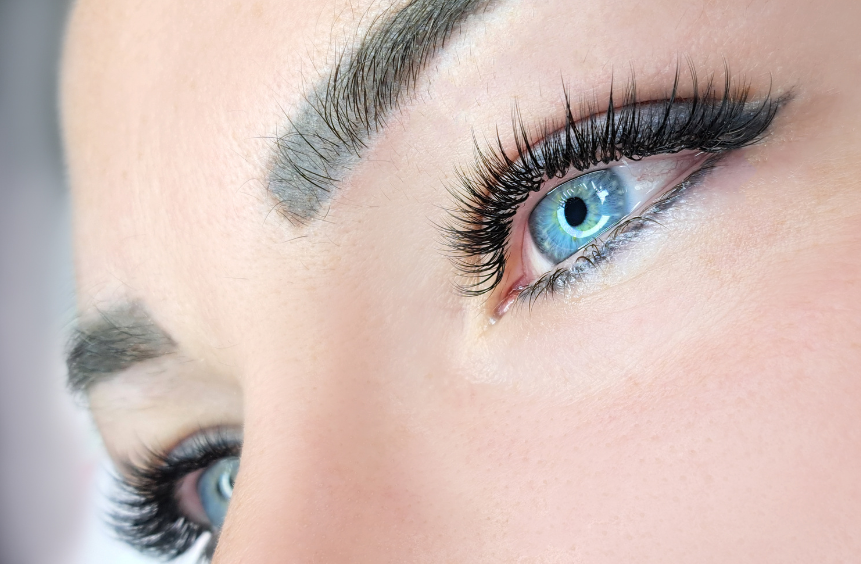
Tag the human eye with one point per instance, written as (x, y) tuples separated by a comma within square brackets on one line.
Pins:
[(577, 211), (175, 498), (581, 190)]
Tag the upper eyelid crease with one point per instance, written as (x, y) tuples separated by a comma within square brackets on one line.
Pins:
[(489, 193)]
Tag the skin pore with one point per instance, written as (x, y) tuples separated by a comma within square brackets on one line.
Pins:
[(696, 402)]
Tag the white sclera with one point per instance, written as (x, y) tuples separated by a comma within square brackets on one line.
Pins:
[(645, 177)]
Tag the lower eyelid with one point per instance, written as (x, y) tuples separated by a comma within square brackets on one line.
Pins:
[(593, 255)]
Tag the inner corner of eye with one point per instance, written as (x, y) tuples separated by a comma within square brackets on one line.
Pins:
[(188, 498)]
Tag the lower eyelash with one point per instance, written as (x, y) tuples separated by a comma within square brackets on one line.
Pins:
[(594, 255)]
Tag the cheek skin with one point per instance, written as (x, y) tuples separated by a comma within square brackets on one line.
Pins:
[(726, 470), (689, 477)]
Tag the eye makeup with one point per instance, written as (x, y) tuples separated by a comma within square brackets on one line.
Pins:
[(493, 193), (171, 500)]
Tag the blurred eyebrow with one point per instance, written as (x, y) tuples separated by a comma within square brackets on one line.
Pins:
[(337, 119), (112, 342)]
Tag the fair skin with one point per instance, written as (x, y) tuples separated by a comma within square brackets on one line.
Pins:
[(698, 403)]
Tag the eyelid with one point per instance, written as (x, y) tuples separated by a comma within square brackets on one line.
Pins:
[(193, 443)]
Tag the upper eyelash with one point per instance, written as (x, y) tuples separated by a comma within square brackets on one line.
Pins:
[(490, 194), (146, 512)]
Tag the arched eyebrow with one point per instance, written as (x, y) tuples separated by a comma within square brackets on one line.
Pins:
[(114, 341), (332, 127)]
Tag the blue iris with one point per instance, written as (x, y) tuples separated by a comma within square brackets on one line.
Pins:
[(215, 488), (576, 212)]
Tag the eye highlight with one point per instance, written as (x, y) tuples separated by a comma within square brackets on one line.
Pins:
[(576, 212)]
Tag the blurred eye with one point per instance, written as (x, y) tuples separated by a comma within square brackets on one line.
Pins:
[(215, 488), (579, 210)]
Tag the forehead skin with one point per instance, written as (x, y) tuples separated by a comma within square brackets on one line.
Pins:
[(701, 408)]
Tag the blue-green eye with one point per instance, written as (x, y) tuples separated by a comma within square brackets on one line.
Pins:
[(576, 212), (215, 488)]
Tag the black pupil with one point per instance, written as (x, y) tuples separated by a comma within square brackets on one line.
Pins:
[(575, 211)]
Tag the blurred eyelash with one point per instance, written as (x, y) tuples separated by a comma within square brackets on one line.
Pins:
[(146, 513), (491, 192)]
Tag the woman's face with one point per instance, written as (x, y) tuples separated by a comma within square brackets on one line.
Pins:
[(280, 208)]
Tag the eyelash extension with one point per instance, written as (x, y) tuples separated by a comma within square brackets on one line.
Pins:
[(710, 121), (147, 515)]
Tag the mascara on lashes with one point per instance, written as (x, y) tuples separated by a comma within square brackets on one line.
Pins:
[(492, 191)]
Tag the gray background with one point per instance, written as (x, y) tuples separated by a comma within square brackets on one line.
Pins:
[(39, 453), (53, 474)]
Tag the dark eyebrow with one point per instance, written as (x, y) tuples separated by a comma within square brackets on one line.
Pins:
[(329, 131), (114, 341)]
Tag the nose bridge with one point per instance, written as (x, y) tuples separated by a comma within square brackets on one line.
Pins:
[(345, 421), (332, 465)]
